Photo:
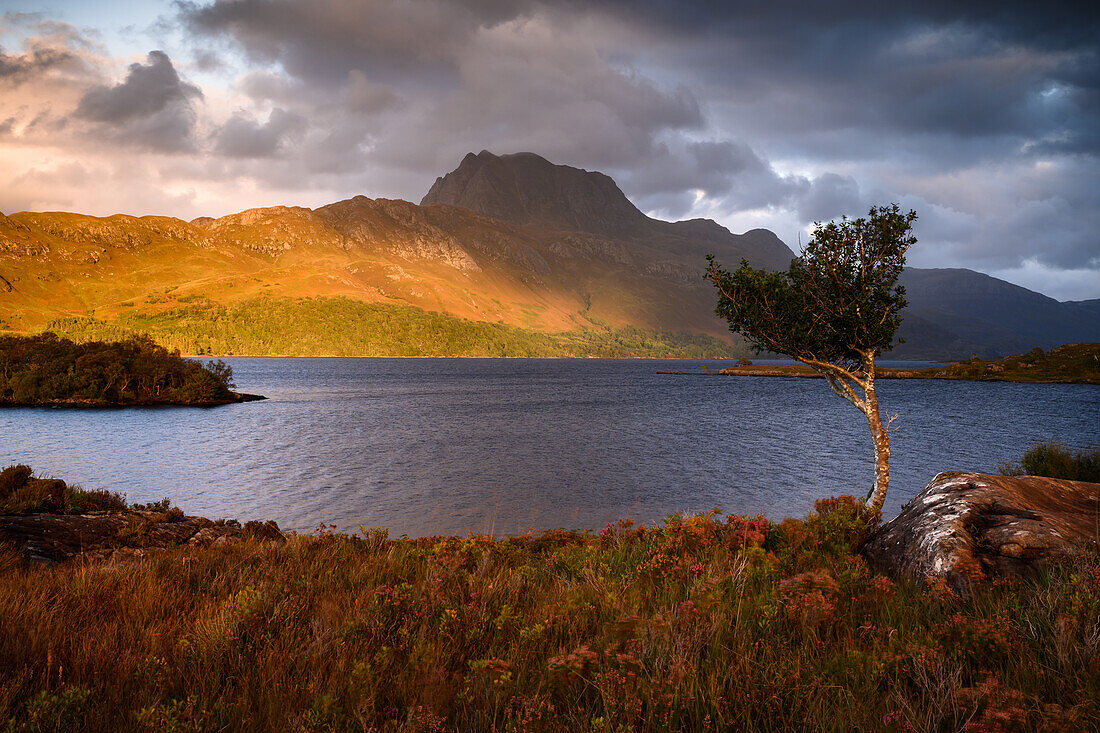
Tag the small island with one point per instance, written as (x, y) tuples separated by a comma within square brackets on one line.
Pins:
[(47, 370), (1066, 364)]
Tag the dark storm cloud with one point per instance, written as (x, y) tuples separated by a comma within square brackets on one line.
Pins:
[(322, 39), (244, 137), (732, 176), (828, 197), (801, 111), (501, 75), (148, 89), (1057, 24), (998, 75), (151, 107), (1023, 70)]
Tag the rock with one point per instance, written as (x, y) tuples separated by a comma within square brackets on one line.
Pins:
[(52, 538), (969, 528), (530, 191), (204, 536)]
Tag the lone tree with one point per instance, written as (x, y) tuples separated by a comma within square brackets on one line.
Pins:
[(834, 310)]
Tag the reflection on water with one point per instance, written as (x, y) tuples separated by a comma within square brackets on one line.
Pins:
[(427, 446)]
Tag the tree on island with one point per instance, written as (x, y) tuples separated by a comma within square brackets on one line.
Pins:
[(835, 308)]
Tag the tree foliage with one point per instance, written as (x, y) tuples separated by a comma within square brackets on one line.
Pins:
[(837, 301), (45, 369), (834, 309)]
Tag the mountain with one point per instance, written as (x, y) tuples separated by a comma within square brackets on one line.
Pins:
[(975, 313), (530, 191), (505, 255)]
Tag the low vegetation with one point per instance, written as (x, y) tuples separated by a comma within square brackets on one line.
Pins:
[(700, 623), (23, 493), (1066, 363), (1069, 364), (47, 369), (340, 326), (1057, 460)]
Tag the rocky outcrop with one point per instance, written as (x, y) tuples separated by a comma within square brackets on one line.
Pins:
[(52, 538), (966, 528), (399, 226), (528, 190)]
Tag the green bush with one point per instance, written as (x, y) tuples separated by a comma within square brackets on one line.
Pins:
[(1055, 459), (84, 501), (45, 369), (836, 528)]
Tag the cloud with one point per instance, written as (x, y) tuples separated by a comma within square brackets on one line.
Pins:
[(244, 137), (422, 83), (983, 116), (19, 68), (151, 107), (828, 197), (50, 51)]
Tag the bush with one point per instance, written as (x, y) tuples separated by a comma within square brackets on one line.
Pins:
[(46, 369), (12, 478), (1055, 459), (22, 493), (85, 501)]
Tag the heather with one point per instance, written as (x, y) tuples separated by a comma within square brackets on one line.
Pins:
[(47, 369), (699, 623)]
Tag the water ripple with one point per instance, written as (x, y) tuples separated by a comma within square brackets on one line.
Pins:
[(426, 446)]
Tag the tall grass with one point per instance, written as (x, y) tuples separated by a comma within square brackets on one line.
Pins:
[(701, 623), (1055, 459)]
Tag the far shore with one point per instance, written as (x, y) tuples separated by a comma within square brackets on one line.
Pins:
[(1066, 364), (805, 372)]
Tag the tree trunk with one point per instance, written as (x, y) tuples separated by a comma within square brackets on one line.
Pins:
[(841, 381), (880, 437)]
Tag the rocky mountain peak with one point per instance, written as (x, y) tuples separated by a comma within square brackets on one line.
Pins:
[(527, 189)]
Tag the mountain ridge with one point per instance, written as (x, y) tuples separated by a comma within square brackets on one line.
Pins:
[(499, 240)]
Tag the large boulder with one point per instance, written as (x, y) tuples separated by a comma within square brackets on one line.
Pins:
[(966, 528)]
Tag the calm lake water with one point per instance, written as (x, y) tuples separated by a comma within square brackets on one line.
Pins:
[(427, 446)]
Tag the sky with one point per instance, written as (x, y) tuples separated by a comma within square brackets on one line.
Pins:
[(983, 117)]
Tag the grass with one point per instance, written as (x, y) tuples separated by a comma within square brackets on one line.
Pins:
[(1057, 460), (1067, 363), (23, 493), (338, 326), (700, 623)]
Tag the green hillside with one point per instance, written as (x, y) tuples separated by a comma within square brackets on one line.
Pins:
[(338, 326)]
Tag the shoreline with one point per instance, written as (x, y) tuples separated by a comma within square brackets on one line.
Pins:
[(75, 402)]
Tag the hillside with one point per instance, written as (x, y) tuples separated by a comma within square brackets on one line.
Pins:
[(90, 276), (506, 255), (973, 312)]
